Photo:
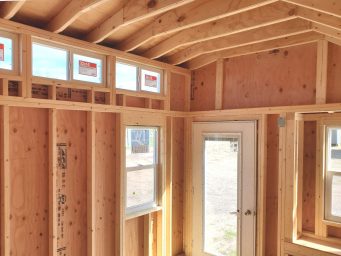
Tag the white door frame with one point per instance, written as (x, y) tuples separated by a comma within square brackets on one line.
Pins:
[(247, 131)]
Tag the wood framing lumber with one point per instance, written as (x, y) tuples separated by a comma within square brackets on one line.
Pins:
[(257, 35), (262, 16), (327, 6), (70, 13), (219, 86), (319, 17), (200, 12), (321, 71), (254, 48), (328, 31), (10, 8), (133, 11)]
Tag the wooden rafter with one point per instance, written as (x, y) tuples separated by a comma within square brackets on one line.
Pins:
[(70, 13), (133, 11), (10, 8), (332, 7), (257, 35), (318, 17), (328, 31), (198, 13), (205, 59), (265, 15)]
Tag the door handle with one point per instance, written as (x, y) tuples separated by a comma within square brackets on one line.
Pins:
[(234, 213), (247, 213)]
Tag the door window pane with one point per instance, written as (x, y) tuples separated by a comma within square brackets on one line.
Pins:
[(6, 53), (221, 196), (49, 62), (87, 69), (126, 76)]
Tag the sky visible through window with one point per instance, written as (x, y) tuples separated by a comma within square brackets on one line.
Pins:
[(126, 76), (49, 62), (7, 62)]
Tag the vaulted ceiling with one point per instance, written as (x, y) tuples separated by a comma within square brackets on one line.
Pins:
[(190, 33)]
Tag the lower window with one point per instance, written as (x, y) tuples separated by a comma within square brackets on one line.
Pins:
[(141, 168), (333, 175)]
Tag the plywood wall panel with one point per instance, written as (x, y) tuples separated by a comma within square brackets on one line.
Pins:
[(309, 177), (272, 186), (105, 184), (278, 78), (177, 92), (334, 74), (29, 224), (134, 236), (203, 88), (72, 183), (178, 167)]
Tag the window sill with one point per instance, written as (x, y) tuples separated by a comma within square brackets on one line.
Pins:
[(143, 212), (319, 245)]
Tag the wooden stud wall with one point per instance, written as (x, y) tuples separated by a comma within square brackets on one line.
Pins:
[(79, 208), (28, 175)]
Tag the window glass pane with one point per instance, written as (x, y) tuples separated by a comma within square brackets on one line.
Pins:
[(87, 69), (6, 53), (221, 196), (336, 196), (140, 187), (334, 149), (140, 146), (150, 81), (50, 62), (126, 76)]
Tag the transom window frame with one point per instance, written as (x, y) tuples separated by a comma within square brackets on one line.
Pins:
[(70, 67), (139, 67), (15, 54)]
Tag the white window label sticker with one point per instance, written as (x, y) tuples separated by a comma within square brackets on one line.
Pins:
[(87, 68), (151, 81), (2, 52)]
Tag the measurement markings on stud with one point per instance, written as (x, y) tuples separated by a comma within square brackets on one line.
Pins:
[(61, 197)]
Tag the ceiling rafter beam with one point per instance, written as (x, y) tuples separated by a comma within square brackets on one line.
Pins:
[(262, 34), (328, 31), (70, 13), (200, 12), (289, 41), (10, 8), (262, 16), (133, 11), (319, 17), (332, 7)]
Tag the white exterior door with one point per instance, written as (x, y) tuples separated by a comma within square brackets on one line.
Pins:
[(224, 189)]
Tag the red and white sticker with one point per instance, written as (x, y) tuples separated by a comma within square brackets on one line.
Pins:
[(150, 81), (87, 68), (2, 52)]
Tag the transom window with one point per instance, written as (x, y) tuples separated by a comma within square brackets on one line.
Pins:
[(135, 77), (141, 168), (333, 174), (8, 51), (58, 62)]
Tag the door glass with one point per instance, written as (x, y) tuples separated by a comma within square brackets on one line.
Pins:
[(221, 195)]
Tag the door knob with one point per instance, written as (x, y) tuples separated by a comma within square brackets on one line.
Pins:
[(234, 213), (247, 213)]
